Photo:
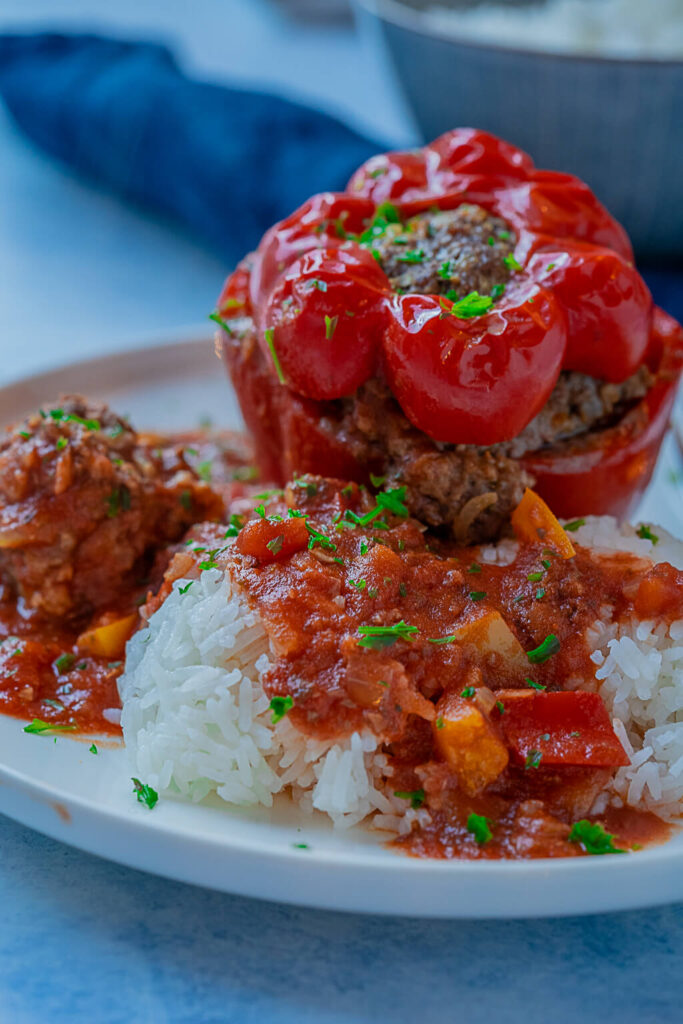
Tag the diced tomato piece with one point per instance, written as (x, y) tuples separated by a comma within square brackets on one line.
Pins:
[(271, 541), (566, 728)]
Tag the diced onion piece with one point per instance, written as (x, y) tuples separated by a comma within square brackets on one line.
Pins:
[(109, 640), (491, 634), (469, 743), (534, 523)]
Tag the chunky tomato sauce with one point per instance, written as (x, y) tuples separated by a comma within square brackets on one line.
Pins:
[(377, 625)]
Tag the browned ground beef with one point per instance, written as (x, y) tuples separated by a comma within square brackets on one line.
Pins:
[(84, 501), (452, 251), (468, 489)]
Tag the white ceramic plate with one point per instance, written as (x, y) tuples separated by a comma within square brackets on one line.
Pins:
[(86, 800)]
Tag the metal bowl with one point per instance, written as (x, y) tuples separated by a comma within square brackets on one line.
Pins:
[(616, 123)]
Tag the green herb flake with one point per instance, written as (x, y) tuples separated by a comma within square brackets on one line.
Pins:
[(62, 442), (439, 722), (301, 846), (40, 728), (145, 794), (118, 501), (511, 263), (475, 567), (319, 538), (308, 486), (441, 639), (534, 685), (646, 533), (358, 584), (269, 335), (497, 291), (414, 256), (26, 434), (363, 548), (575, 525), (184, 590), (468, 692), (330, 326), (280, 706), (480, 828), (593, 837), (472, 305), (533, 759), (416, 797), (444, 271), (377, 637), (540, 593), (93, 749), (477, 595), (549, 647), (236, 524), (377, 481), (275, 545), (535, 577), (64, 662), (500, 706)]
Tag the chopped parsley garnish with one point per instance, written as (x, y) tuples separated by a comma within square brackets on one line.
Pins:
[(533, 759), (59, 416), (41, 728), (62, 442), (280, 706), (475, 567), (497, 291), (491, 241), (646, 533), (269, 335), (210, 560), (204, 471), (540, 593), (377, 481), (511, 263), (377, 637), (372, 591), (390, 500), (402, 590), (236, 524), (439, 722), (26, 434), (184, 590), (472, 305), (500, 706), (320, 285), (468, 692), (64, 662), (363, 548), (145, 794), (330, 326), (260, 510), (441, 639), (444, 271), (301, 846), (385, 214), (477, 595), (358, 584), (535, 577), (93, 749), (593, 837), (545, 650), (295, 513), (505, 234), (306, 485), (414, 256), (551, 266), (218, 319), (275, 545), (118, 501), (416, 797), (534, 685), (378, 171), (575, 525), (319, 538), (479, 826)]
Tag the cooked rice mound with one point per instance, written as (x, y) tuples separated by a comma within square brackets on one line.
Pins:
[(196, 720)]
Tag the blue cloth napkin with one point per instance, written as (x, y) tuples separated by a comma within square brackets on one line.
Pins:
[(224, 162)]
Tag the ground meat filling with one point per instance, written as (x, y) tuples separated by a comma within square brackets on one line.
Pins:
[(85, 502), (450, 252)]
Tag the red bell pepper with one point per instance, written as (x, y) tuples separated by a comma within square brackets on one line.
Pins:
[(564, 728)]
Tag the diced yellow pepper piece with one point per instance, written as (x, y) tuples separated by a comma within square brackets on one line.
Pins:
[(491, 634), (108, 641), (470, 744), (533, 522)]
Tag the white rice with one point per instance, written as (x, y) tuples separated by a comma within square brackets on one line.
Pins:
[(196, 719)]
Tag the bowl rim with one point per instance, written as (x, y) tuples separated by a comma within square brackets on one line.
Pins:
[(397, 13)]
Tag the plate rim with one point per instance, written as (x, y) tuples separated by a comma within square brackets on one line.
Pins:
[(21, 794)]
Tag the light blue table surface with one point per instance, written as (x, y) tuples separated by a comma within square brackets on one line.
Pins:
[(84, 940)]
